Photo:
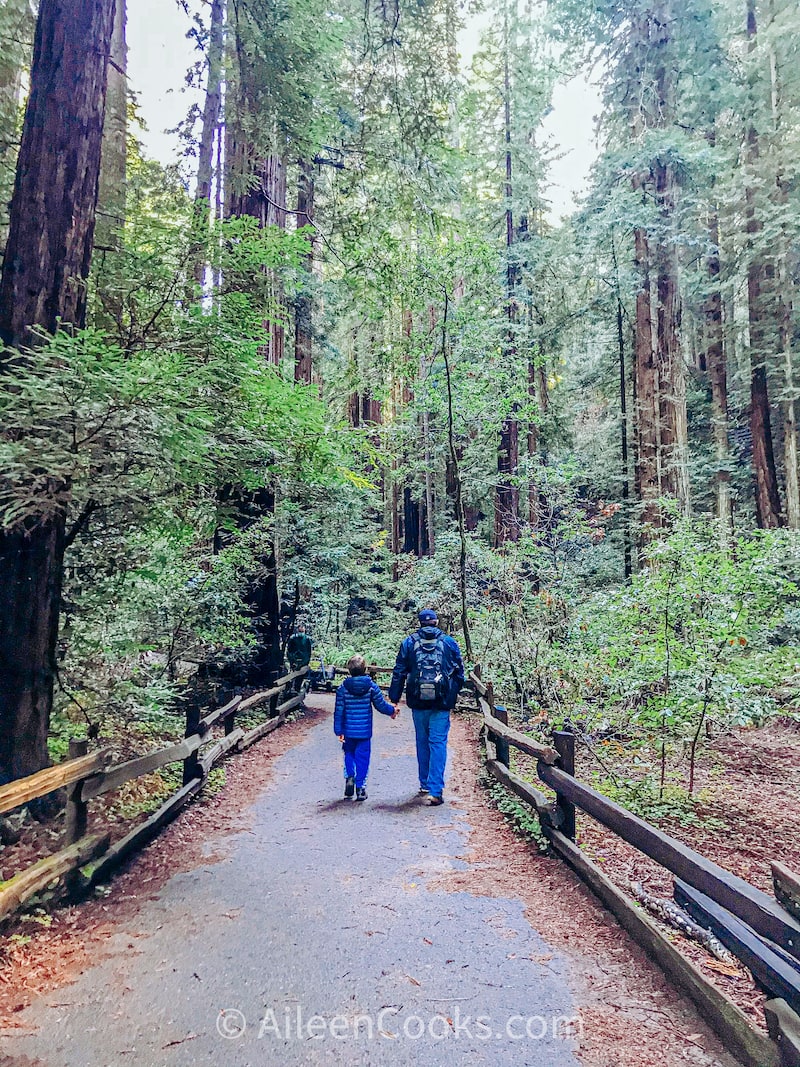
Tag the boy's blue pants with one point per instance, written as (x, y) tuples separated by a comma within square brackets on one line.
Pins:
[(431, 728), (356, 758)]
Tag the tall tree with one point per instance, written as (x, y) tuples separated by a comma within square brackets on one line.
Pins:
[(506, 524), (43, 287), (717, 367), (210, 136), (781, 45), (760, 300), (303, 316), (113, 169), (17, 23)]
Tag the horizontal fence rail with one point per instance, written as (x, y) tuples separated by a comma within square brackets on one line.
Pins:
[(46, 781), (87, 776)]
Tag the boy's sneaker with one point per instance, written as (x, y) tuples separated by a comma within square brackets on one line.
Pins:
[(423, 791), (349, 787), (434, 802), (361, 793)]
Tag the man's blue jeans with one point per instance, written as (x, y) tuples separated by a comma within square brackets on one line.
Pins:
[(431, 728)]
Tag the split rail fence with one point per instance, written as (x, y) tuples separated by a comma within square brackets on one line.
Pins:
[(87, 775), (760, 930)]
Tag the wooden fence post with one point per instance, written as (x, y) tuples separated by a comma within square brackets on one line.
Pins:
[(77, 811), (230, 722), (191, 765), (564, 744), (502, 746), (76, 815)]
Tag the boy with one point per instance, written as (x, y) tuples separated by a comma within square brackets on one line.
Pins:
[(352, 724)]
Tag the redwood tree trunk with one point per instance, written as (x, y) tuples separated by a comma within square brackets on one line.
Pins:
[(507, 495), (671, 375), (506, 502), (303, 316), (256, 186), (212, 114), (114, 162), (47, 261), (767, 495), (717, 374), (646, 388), (51, 229), (212, 107)]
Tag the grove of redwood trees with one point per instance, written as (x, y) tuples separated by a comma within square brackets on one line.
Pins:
[(442, 381)]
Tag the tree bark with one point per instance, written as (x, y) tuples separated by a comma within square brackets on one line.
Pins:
[(767, 495), (411, 523), (627, 545), (788, 405), (303, 318), (785, 305), (47, 260), (533, 452), (210, 134), (673, 423), (212, 107), (18, 24), (261, 193), (716, 366), (52, 222), (647, 391), (114, 156), (506, 507)]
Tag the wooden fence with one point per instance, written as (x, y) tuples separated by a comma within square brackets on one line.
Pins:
[(87, 775), (761, 931)]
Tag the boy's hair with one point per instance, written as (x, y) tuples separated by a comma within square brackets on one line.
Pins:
[(357, 665)]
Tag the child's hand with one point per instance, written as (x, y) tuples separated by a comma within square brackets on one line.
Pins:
[(396, 711), (341, 738)]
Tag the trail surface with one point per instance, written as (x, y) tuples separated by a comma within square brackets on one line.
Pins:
[(331, 932)]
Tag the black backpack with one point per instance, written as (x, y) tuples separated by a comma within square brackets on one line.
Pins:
[(428, 685)]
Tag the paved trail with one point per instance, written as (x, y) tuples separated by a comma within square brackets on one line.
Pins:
[(326, 908)]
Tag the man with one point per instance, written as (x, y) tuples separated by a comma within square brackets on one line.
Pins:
[(298, 648), (431, 663)]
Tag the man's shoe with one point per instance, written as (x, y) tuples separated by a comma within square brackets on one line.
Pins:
[(349, 787), (434, 802), (423, 791), (361, 793)]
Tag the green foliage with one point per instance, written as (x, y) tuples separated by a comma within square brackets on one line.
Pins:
[(519, 815), (670, 806)]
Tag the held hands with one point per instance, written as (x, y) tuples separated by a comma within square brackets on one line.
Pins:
[(341, 738), (396, 711)]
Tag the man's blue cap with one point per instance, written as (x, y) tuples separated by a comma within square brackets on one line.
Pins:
[(427, 617)]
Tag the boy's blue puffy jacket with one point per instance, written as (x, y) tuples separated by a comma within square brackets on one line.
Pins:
[(452, 664), (355, 698)]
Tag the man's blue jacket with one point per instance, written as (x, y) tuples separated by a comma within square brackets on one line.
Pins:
[(452, 664), (355, 698)]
